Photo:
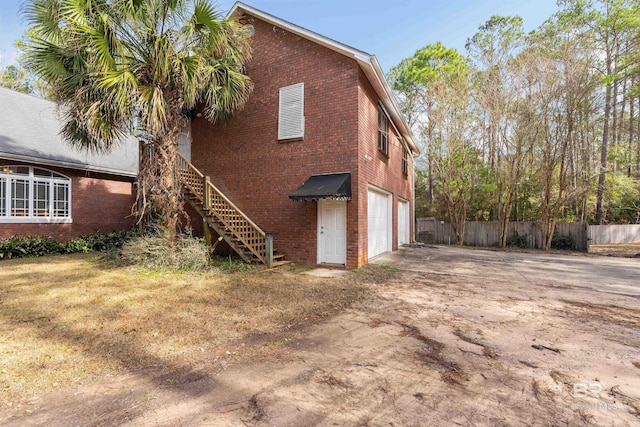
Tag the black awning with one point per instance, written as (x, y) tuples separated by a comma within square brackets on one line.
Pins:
[(336, 186)]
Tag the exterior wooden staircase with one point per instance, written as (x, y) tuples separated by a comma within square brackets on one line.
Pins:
[(221, 215)]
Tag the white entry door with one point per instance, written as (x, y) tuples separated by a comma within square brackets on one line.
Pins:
[(403, 222), (379, 222), (332, 232)]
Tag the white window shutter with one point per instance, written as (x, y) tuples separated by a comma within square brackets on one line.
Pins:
[(291, 112)]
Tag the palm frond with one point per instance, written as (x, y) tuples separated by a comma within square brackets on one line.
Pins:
[(124, 64), (46, 15)]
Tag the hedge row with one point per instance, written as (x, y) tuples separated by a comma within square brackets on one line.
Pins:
[(34, 246)]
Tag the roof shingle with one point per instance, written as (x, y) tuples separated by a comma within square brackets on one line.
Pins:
[(30, 132)]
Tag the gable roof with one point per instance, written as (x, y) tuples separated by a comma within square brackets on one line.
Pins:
[(368, 63), (30, 132)]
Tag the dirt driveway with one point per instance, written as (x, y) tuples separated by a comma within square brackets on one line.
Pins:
[(456, 337)]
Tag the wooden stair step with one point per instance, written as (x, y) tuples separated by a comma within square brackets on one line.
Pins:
[(279, 263), (194, 188)]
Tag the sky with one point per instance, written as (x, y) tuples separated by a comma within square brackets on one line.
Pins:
[(390, 29)]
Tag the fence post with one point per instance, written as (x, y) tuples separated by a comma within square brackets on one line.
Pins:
[(268, 243), (587, 240)]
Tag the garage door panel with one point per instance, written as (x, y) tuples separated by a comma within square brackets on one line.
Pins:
[(403, 222), (379, 223)]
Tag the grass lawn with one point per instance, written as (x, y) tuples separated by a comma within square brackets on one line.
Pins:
[(631, 250), (73, 319)]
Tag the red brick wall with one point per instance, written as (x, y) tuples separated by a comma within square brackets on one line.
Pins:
[(378, 169), (246, 161), (98, 203), (257, 172)]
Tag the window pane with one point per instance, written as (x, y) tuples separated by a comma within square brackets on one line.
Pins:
[(61, 200), (19, 197), (383, 131), (18, 170), (405, 161), (3, 195), (41, 198), (41, 173)]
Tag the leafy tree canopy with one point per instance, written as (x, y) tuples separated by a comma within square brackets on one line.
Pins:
[(15, 78)]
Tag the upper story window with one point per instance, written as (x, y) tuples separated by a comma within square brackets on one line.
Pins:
[(291, 112), (30, 194), (405, 160), (383, 131)]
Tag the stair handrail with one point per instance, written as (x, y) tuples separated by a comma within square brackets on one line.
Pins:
[(192, 168), (245, 217), (189, 165), (183, 164)]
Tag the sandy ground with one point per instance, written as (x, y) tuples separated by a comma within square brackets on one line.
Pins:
[(456, 337)]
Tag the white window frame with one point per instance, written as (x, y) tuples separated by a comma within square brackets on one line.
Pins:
[(383, 130), (405, 160), (56, 179), (290, 105)]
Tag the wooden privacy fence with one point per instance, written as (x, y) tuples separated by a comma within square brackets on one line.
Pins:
[(487, 233), (611, 234)]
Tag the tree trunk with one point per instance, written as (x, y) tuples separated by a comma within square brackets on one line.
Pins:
[(630, 140), (638, 143), (547, 233), (159, 192), (430, 177), (504, 228), (613, 129), (603, 152)]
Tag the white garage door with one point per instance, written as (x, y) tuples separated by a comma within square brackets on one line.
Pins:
[(379, 206), (403, 222)]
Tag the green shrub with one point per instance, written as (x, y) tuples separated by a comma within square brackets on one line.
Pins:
[(562, 242), (79, 244), (99, 242), (518, 240), (155, 252), (29, 246), (34, 246)]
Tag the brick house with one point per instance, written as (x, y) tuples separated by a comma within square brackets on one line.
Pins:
[(320, 157), (48, 188)]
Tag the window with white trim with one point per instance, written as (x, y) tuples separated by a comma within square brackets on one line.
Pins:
[(3, 192), (31, 194), (383, 131), (405, 160), (291, 112)]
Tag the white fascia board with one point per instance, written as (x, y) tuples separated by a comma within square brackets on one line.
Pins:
[(387, 99), (240, 7), (367, 62), (67, 165), (392, 105)]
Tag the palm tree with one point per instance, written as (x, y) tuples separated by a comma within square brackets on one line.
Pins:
[(122, 67)]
